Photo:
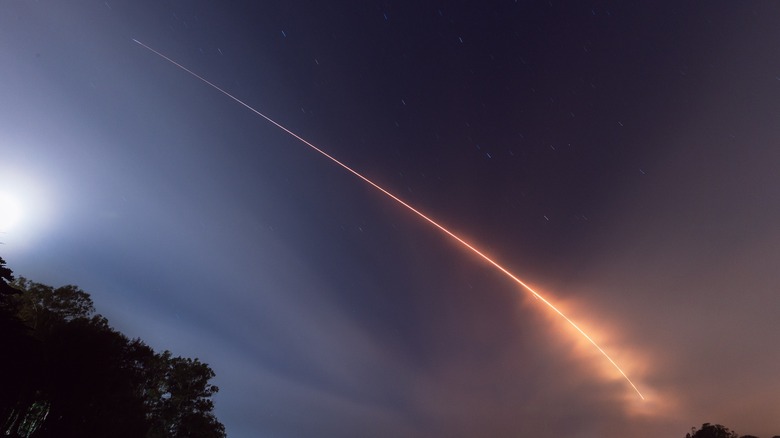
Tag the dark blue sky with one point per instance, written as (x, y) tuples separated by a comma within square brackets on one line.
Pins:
[(620, 158)]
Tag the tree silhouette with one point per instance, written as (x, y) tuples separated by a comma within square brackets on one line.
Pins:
[(21, 359), (716, 431), (182, 395), (6, 277), (712, 431), (70, 373)]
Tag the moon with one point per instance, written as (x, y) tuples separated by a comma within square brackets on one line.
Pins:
[(10, 211)]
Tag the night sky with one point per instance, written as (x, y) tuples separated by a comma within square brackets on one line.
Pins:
[(621, 158)]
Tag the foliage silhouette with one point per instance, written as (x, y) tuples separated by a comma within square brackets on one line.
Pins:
[(70, 374), (709, 430)]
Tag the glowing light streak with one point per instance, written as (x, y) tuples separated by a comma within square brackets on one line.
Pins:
[(413, 210)]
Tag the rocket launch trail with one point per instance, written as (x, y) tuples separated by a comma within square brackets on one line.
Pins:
[(464, 243)]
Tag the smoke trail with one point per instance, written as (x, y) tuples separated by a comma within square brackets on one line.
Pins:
[(412, 209)]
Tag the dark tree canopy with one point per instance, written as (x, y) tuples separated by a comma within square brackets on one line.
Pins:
[(712, 431), (6, 291), (69, 373), (709, 430)]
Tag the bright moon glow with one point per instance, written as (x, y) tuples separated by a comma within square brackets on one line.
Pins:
[(10, 211), (27, 207)]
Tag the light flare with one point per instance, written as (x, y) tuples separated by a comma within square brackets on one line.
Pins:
[(10, 211), (415, 211)]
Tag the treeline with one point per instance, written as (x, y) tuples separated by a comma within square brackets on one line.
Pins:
[(65, 372), (708, 430)]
